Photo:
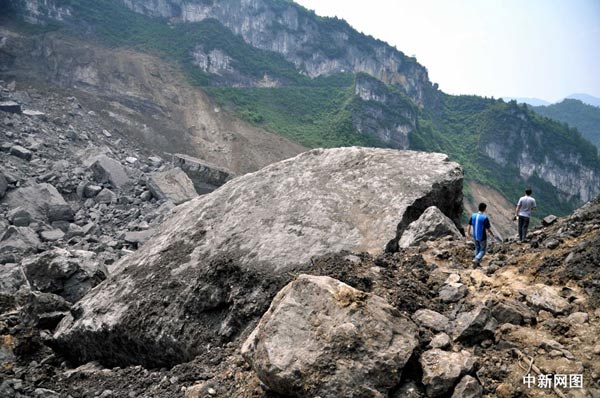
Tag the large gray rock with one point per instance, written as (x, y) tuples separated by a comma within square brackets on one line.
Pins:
[(12, 280), (321, 337), (36, 199), (441, 369), (245, 238), (19, 217), (545, 297), (109, 170), (474, 326), (432, 225), (10, 107), (431, 319), (69, 274), (19, 239), (21, 152), (507, 310), (173, 185), (205, 176)]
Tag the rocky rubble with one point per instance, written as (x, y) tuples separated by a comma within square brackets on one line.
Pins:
[(528, 310)]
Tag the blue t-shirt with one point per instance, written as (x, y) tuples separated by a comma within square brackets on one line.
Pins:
[(480, 224)]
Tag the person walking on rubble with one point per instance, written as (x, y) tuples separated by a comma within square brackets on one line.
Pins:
[(479, 223), (523, 213)]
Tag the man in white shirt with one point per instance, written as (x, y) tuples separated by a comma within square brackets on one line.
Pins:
[(523, 212)]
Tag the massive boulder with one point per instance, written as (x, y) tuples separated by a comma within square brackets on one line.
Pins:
[(324, 338), (215, 265)]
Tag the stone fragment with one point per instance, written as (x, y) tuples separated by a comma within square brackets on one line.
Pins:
[(52, 235), (34, 113), (510, 311), (138, 237), (19, 239), (432, 225), (109, 170), (549, 220), (46, 309), (10, 107), (205, 176), (20, 152), (431, 319), (442, 369), (452, 292), (12, 279), (474, 326), (36, 199), (60, 212), (172, 185), (307, 343), (106, 196), (546, 298), (551, 243), (67, 273), (3, 185), (441, 340), (19, 217), (468, 387)]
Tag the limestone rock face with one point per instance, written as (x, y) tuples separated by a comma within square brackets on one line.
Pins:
[(432, 225), (324, 338), (246, 237)]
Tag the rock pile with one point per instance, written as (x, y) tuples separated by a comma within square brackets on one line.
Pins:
[(292, 279)]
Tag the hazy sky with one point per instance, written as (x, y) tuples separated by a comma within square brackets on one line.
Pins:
[(546, 49)]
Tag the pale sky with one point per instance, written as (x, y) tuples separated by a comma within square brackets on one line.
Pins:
[(545, 49)]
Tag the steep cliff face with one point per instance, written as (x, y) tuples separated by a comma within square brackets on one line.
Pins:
[(315, 81), (316, 46), (521, 142), (383, 113)]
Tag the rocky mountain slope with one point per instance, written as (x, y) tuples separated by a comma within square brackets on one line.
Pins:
[(436, 326), (575, 113), (318, 82)]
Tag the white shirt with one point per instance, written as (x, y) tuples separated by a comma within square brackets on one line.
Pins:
[(526, 204)]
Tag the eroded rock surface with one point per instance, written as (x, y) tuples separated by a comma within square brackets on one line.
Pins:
[(259, 226), (324, 338)]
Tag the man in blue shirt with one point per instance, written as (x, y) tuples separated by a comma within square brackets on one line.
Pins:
[(523, 212), (480, 224)]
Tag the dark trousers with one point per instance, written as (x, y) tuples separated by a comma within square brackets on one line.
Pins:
[(523, 225)]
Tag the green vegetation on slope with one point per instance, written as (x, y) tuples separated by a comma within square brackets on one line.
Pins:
[(315, 115), (465, 125), (322, 111), (585, 118)]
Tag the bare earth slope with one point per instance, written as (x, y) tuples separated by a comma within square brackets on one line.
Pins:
[(144, 97)]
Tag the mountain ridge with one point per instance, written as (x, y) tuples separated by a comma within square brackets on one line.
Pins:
[(267, 90)]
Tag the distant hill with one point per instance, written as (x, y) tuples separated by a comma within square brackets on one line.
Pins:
[(586, 99), (528, 101), (585, 118)]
